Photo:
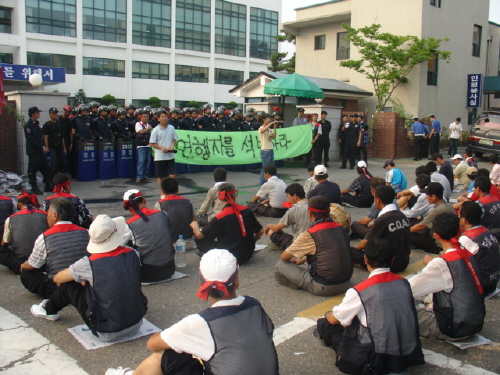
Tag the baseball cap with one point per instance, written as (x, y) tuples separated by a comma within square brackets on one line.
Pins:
[(415, 118), (362, 164), (431, 116), (53, 110), (130, 194), (457, 156), (301, 110), (218, 270), (387, 162), (320, 170), (67, 108), (471, 171), (433, 188), (32, 110)]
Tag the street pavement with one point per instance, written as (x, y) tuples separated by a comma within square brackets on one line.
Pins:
[(31, 345)]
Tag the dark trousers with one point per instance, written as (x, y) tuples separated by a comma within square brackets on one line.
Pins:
[(453, 146), (38, 163), (8, 260), (425, 242), (350, 152), (359, 230), (354, 200), (330, 334), (398, 265), (363, 150), (173, 363), (434, 147), (341, 150), (71, 293), (424, 152), (154, 273), (37, 281), (58, 162), (326, 151), (317, 150), (419, 144), (282, 239), (264, 210)]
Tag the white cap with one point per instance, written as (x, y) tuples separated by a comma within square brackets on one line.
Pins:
[(218, 265), (128, 194), (457, 156), (106, 234), (320, 170), (362, 164)]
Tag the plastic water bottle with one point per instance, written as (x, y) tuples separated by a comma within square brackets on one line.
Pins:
[(180, 252)]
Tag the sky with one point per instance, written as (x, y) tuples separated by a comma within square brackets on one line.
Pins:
[(288, 14)]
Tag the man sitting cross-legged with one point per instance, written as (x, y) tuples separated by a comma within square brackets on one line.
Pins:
[(270, 198)]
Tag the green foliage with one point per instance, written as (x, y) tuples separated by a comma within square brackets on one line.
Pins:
[(278, 60), (193, 104), (80, 97), (287, 37), (399, 107), (108, 99), (387, 59), (154, 102), (12, 111), (231, 105)]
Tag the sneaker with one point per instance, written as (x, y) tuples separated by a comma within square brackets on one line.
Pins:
[(119, 371), (40, 312)]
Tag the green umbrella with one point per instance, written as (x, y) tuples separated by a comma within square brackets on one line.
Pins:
[(294, 85)]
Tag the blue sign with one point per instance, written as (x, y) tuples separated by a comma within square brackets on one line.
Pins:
[(474, 92), (23, 73)]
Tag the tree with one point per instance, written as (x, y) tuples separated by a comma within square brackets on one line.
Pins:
[(388, 59), (154, 102), (108, 99), (193, 104), (231, 105), (278, 60), (80, 97)]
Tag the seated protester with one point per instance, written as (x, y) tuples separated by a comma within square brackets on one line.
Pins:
[(407, 198), (212, 200), (471, 175), (270, 198), (361, 228), (422, 207), (296, 218), (62, 188), (104, 287), (7, 208), (482, 244), (55, 249), (391, 225), (179, 209), (311, 182), (325, 247), (151, 236), (458, 302), (421, 236), (325, 188), (20, 232), (438, 177), (235, 228), (495, 171), (358, 194), (469, 159), (394, 176), (445, 168), (481, 172), (490, 205), (460, 172), (382, 305), (246, 348)]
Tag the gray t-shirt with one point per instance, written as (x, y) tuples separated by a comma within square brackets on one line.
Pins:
[(296, 218), (163, 137)]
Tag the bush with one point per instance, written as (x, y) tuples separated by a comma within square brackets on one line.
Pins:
[(154, 102), (231, 105), (193, 103), (108, 99)]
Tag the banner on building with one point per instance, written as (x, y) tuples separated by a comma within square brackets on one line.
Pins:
[(229, 148), (23, 73), (474, 90)]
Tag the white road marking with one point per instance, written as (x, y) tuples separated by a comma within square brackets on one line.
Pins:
[(290, 329), (24, 351)]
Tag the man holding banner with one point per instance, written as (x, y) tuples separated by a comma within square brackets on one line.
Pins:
[(266, 143)]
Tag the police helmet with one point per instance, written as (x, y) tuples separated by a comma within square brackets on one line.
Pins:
[(205, 106), (221, 108), (238, 109), (250, 109), (112, 107), (102, 108), (176, 110), (130, 106), (186, 109), (93, 104), (147, 109), (83, 107), (121, 111), (194, 109), (248, 114), (219, 112), (154, 111)]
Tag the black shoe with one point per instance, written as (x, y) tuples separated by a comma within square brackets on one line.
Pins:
[(327, 166), (343, 167), (36, 191)]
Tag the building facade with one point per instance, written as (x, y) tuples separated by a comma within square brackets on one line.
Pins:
[(176, 50), (436, 87)]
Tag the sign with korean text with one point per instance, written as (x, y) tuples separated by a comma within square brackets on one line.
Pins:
[(228, 148), (23, 72), (474, 90)]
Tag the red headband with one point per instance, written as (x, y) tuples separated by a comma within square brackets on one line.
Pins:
[(32, 198), (228, 196), (59, 188), (312, 209), (205, 288), (131, 197)]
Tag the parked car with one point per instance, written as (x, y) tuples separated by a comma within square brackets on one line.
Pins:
[(484, 135)]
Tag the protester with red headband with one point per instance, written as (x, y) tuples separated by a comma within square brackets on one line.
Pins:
[(233, 336), (21, 230), (325, 247), (62, 189), (235, 228), (457, 308)]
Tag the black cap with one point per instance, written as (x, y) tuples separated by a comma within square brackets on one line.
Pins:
[(354, 115), (360, 115), (387, 162), (434, 188), (53, 110), (32, 110), (301, 110)]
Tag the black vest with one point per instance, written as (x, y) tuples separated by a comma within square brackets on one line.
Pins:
[(461, 312), (142, 139), (65, 244), (488, 256), (115, 301), (332, 262), (82, 126), (6, 209), (243, 337), (491, 214), (25, 227), (180, 215)]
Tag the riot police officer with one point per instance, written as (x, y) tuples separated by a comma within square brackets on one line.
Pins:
[(112, 113), (82, 125), (120, 128), (352, 137), (233, 124), (93, 107), (102, 125), (174, 118), (54, 141), (220, 121), (206, 121), (247, 124)]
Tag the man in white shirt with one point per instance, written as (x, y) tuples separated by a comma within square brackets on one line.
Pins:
[(270, 198), (422, 206), (454, 133)]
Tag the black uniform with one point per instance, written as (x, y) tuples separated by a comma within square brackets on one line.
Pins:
[(121, 129), (131, 121), (102, 128), (220, 124), (176, 123), (206, 123), (58, 158), (188, 123), (83, 128), (351, 134), (341, 138), (362, 149), (66, 130), (325, 140), (232, 126), (36, 158)]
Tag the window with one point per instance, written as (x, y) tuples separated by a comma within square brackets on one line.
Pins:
[(188, 73), (53, 17), (228, 77), (230, 28), (5, 20), (319, 42), (343, 47), (436, 3), (476, 41), (49, 59), (432, 71), (263, 29), (96, 66), (147, 70), (105, 20), (192, 25), (152, 22), (184, 103), (6, 58)]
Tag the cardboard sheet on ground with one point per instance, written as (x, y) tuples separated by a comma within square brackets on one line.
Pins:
[(259, 247), (470, 342), (175, 276), (90, 342), (495, 293)]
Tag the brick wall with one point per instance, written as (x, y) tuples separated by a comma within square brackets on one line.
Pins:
[(8, 146), (390, 140)]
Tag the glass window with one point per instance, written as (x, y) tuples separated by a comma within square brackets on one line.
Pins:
[(432, 71), (96, 66), (105, 20), (147, 70), (188, 73), (230, 28), (319, 42), (7, 58), (192, 25), (152, 22), (343, 47), (436, 3), (263, 29), (53, 17), (49, 59), (228, 77), (476, 41), (5, 20)]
